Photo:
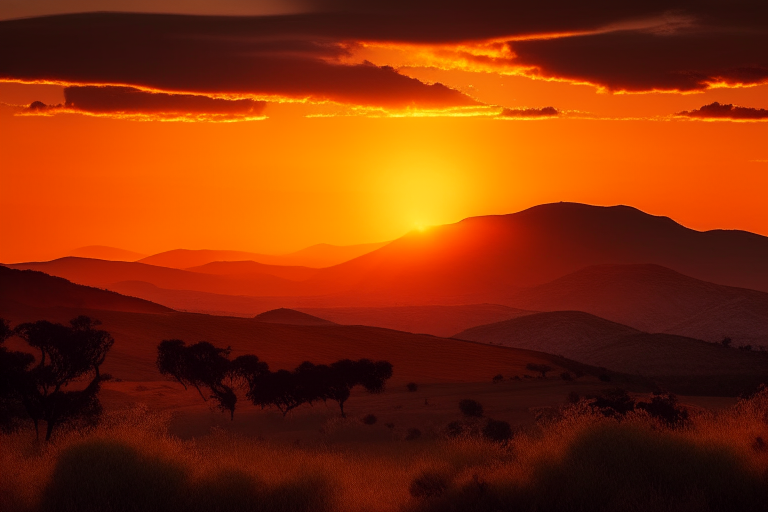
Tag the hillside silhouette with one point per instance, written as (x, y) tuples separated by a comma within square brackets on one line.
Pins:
[(485, 259), (656, 299), (290, 317), (593, 340), (436, 320), (39, 290), (103, 252), (315, 256), (101, 273)]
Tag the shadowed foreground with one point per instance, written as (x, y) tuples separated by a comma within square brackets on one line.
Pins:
[(576, 460)]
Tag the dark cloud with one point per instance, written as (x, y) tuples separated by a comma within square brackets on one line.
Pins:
[(642, 61), (530, 112), (204, 55), (632, 46), (110, 100), (725, 111)]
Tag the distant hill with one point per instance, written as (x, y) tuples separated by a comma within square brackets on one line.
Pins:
[(420, 358), (291, 317), (487, 259), (316, 256), (103, 252), (104, 274), (39, 290), (592, 340), (246, 269), (436, 320), (656, 299)]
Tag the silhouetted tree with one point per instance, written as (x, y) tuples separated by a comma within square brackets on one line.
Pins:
[(203, 365), (13, 366), (345, 374), (471, 408), (67, 354), (663, 406), (541, 368), (613, 402), (309, 383), (726, 342), (497, 430)]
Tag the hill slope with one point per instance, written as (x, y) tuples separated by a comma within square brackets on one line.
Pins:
[(40, 290), (290, 317), (596, 341), (104, 274), (316, 256), (484, 259), (436, 320), (656, 299)]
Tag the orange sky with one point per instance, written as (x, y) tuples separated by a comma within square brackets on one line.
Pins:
[(355, 175)]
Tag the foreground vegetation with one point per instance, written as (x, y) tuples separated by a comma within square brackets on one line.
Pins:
[(577, 459)]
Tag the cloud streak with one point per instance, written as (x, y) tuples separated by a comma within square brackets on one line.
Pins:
[(137, 104), (725, 111)]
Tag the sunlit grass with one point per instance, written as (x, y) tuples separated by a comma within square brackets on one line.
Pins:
[(577, 460)]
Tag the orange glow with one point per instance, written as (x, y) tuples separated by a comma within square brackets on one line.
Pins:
[(318, 172)]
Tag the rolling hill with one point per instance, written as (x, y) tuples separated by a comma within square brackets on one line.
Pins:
[(436, 320), (103, 252), (652, 298), (592, 340), (104, 274), (290, 317), (39, 290), (315, 256), (488, 259)]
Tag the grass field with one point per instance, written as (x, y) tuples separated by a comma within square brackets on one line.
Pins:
[(572, 460)]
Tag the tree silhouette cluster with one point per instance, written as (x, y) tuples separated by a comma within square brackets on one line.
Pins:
[(204, 366), (38, 386)]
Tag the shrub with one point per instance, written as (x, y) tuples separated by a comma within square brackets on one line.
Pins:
[(454, 429), (389, 425), (429, 484), (613, 467), (471, 408), (498, 431), (573, 397), (613, 402), (541, 368), (497, 378), (604, 377), (413, 434), (108, 475), (369, 419), (566, 376), (412, 387), (663, 406)]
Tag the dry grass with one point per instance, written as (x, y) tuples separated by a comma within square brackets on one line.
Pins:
[(576, 460)]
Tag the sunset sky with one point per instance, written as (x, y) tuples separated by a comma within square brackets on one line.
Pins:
[(272, 125)]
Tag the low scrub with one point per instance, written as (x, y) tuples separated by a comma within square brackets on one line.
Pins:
[(579, 459)]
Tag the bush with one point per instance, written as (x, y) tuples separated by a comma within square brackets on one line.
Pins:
[(604, 377), (111, 476), (413, 434), (498, 431), (454, 429), (429, 485), (497, 378), (663, 406), (613, 402), (566, 376), (612, 467), (369, 419), (573, 397), (543, 369), (412, 387), (471, 408)]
